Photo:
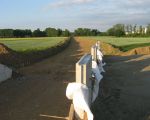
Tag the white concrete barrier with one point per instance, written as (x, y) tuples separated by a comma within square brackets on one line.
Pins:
[(84, 70), (88, 76), (98, 77), (97, 56), (100, 60), (79, 93), (94, 52), (5, 73)]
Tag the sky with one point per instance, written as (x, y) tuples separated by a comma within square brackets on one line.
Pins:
[(72, 14)]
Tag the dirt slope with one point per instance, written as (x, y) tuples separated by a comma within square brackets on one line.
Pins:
[(16, 59), (41, 89), (8, 56), (110, 50)]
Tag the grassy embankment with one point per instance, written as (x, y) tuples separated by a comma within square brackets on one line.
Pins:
[(123, 43), (30, 50), (31, 44)]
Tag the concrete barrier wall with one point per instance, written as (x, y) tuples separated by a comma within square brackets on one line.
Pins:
[(5, 73), (83, 70), (84, 91)]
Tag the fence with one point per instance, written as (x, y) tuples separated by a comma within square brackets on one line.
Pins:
[(85, 90)]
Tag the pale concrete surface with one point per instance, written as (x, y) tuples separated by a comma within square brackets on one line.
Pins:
[(84, 70), (5, 73), (94, 52)]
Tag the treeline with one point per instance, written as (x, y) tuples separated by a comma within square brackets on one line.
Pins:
[(118, 30), (48, 32), (15, 33), (129, 30), (86, 32)]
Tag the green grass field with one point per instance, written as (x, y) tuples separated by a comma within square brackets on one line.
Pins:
[(123, 43), (31, 44)]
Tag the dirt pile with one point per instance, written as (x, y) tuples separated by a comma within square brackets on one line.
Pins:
[(4, 49), (8, 56), (138, 51), (110, 50)]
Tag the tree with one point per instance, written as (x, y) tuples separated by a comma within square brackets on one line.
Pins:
[(66, 33), (131, 29), (59, 32), (148, 29), (6, 33), (86, 32), (27, 33), (140, 29), (51, 32), (111, 32), (38, 33), (22, 33), (134, 28), (117, 30)]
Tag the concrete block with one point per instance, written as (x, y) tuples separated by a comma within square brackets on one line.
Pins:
[(84, 70), (84, 73), (5, 73)]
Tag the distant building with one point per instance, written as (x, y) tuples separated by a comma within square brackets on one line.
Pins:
[(144, 31)]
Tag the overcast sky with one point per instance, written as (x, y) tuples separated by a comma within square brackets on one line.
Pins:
[(71, 14)]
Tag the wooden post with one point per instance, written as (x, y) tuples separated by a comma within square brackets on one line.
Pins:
[(71, 113)]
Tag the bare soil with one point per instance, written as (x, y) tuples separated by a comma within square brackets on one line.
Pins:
[(125, 89), (10, 57), (38, 91)]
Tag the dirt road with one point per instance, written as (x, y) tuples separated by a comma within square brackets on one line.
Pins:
[(41, 89), (125, 89)]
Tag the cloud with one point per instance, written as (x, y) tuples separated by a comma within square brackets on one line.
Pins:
[(66, 3), (101, 14)]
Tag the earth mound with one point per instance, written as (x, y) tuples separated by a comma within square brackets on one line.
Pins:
[(4, 49), (8, 56), (111, 50), (138, 51)]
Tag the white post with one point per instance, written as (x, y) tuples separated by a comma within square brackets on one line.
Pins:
[(83, 72), (98, 44), (94, 52)]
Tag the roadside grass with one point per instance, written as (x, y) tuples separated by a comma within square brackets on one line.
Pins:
[(123, 43), (25, 45)]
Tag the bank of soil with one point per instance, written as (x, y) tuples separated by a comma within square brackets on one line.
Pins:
[(20, 59), (110, 50)]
